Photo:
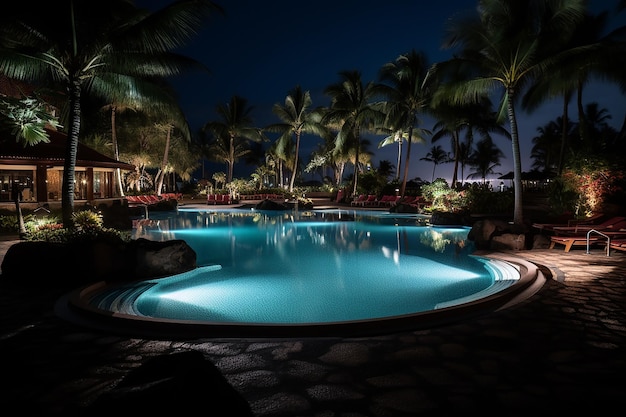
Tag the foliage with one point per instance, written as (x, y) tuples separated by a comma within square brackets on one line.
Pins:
[(88, 225), (482, 200), (443, 198), (588, 183), (27, 117), (371, 182)]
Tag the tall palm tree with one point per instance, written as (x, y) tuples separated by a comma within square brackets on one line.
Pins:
[(352, 111), (485, 158), (590, 51), (506, 44), (394, 136), (453, 120), (408, 93), (437, 156), (545, 150), (98, 48), (234, 129), (296, 121)]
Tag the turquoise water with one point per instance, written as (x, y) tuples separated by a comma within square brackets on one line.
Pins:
[(318, 266)]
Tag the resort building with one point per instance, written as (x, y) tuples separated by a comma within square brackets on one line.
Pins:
[(36, 172)]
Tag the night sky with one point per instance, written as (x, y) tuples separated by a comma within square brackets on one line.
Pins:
[(261, 50)]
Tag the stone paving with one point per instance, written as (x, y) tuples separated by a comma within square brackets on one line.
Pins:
[(561, 351)]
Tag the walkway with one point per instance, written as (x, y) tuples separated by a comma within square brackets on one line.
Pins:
[(563, 351)]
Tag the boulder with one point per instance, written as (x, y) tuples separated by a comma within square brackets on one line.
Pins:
[(270, 205), (60, 265), (444, 218), (151, 259), (508, 241), (483, 231)]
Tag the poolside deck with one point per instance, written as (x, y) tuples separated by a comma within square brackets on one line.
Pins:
[(563, 351)]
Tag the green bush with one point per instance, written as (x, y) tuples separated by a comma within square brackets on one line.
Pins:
[(88, 225)]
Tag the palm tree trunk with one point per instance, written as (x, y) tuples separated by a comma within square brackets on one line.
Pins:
[(406, 162), (518, 215), (67, 191), (455, 173), (295, 163), (400, 139), (231, 159), (564, 130), (165, 160), (356, 161), (116, 152), (16, 194)]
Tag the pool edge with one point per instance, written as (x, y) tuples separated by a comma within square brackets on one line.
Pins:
[(73, 308)]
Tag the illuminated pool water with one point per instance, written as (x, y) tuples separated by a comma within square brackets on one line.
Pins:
[(306, 268)]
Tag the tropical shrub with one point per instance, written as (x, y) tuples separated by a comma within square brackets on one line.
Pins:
[(88, 225), (443, 198), (586, 185)]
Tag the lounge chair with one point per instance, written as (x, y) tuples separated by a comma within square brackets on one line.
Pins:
[(387, 200), (618, 244), (358, 200), (612, 224), (370, 201), (595, 218), (587, 238), (392, 201)]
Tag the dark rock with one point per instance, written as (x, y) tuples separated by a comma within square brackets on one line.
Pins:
[(270, 205), (183, 383), (483, 231), (60, 265), (116, 216), (151, 259), (444, 218), (508, 241), (403, 208)]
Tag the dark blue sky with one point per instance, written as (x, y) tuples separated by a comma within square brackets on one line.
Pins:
[(261, 50)]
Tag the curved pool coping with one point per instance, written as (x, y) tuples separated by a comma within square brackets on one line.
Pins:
[(74, 307)]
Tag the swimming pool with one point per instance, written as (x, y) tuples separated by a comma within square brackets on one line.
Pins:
[(326, 271)]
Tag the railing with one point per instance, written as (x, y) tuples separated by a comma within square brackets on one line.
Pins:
[(608, 241)]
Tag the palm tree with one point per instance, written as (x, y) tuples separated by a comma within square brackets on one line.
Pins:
[(589, 52), (546, 145), (506, 44), (437, 156), (351, 111), (220, 179), (485, 158), (453, 120), (408, 94), (297, 120), (27, 117), (395, 136), (107, 47), (234, 130)]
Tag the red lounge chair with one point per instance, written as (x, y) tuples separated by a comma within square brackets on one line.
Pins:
[(211, 199), (370, 201), (383, 200), (591, 220), (612, 224), (395, 201), (388, 200), (358, 200), (583, 239)]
